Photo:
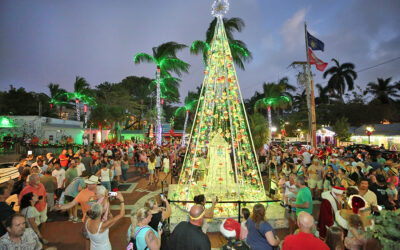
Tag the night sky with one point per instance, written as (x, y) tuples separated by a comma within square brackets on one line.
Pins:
[(43, 41)]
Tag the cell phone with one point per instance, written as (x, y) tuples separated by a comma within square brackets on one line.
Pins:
[(112, 194), (30, 152), (162, 196), (379, 208), (159, 226)]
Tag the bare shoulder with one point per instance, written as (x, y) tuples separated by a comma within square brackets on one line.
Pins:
[(151, 236)]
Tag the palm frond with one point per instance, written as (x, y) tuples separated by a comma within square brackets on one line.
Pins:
[(199, 46), (168, 49), (175, 65), (143, 57)]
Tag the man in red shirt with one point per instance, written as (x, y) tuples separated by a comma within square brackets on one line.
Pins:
[(304, 239), (63, 159), (37, 188)]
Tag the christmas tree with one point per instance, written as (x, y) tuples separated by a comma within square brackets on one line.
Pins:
[(220, 158)]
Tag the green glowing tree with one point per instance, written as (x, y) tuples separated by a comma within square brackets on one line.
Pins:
[(240, 53), (166, 61), (190, 105), (274, 98), (169, 88), (57, 97)]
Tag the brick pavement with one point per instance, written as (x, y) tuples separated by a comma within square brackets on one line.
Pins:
[(66, 235)]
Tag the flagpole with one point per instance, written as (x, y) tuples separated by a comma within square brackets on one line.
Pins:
[(310, 97)]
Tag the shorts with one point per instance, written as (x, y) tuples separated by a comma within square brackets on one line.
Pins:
[(68, 198), (315, 183), (143, 164), (327, 185), (151, 171)]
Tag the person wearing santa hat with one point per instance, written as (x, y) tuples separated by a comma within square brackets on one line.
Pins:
[(330, 210), (230, 229)]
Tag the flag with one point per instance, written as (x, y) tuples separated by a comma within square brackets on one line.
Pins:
[(314, 43), (319, 64)]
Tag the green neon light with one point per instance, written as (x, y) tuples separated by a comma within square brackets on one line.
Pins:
[(6, 122)]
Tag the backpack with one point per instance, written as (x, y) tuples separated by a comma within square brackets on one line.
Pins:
[(132, 241)]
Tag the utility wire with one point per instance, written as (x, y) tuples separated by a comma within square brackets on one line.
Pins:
[(371, 67), (361, 70), (388, 61)]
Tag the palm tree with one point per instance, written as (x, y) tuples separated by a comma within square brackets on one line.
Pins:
[(274, 98), (383, 90), (169, 88), (81, 91), (164, 57), (239, 50), (259, 131), (300, 101), (190, 104), (341, 75), (57, 97)]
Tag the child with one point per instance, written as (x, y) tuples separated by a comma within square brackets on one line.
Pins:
[(355, 236), (282, 186), (393, 195), (245, 214), (151, 165)]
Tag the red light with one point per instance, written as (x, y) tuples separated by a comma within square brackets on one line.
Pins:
[(85, 108), (162, 101), (77, 100)]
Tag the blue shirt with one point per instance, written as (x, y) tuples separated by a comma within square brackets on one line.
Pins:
[(256, 237), (72, 189), (141, 236)]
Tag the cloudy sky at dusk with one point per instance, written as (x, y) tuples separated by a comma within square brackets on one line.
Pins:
[(43, 41)]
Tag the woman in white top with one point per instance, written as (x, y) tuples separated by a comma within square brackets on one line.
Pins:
[(117, 167), (97, 229), (32, 216), (105, 174)]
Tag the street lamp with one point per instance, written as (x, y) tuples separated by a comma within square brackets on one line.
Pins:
[(368, 131)]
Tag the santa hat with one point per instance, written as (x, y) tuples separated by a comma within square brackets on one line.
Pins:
[(230, 228), (338, 190), (357, 202)]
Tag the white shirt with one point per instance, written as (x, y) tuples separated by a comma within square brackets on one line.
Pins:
[(80, 168), (288, 186), (307, 158), (60, 176)]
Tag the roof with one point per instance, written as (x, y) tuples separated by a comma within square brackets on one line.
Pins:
[(392, 129), (63, 126)]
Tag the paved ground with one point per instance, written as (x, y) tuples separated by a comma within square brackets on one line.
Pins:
[(64, 234)]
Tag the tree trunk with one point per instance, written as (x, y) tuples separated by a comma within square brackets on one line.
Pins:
[(158, 124), (101, 131), (184, 127), (269, 124)]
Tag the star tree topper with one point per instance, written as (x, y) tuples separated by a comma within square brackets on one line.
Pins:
[(220, 8)]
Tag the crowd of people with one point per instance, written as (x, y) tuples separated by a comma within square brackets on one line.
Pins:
[(350, 185), (83, 178)]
